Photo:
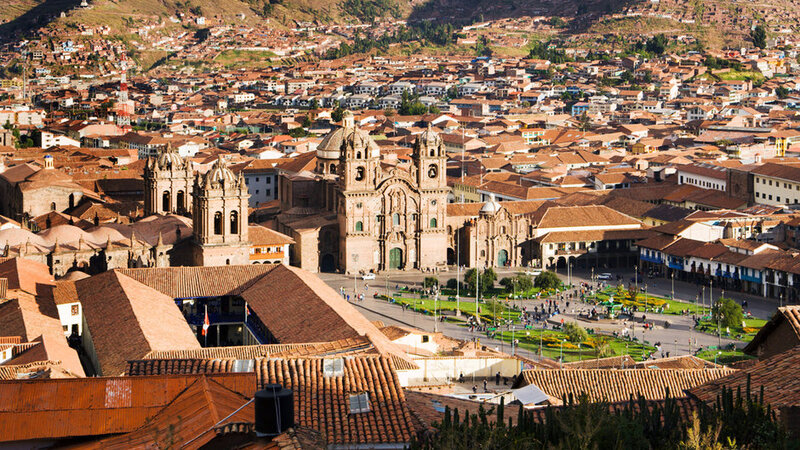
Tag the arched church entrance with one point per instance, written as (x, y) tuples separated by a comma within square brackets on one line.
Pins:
[(502, 258), (395, 258)]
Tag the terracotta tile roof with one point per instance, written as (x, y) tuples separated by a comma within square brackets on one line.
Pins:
[(789, 314), (618, 385), (190, 282), (297, 306), (127, 319), (62, 408), (568, 216), (677, 362), (776, 374), (614, 362), (594, 235), (321, 402), (344, 346), (259, 235), (35, 370)]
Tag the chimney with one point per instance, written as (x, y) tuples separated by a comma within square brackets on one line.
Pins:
[(274, 410)]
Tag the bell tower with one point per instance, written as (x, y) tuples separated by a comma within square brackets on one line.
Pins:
[(430, 162), (359, 158), (219, 213), (167, 184)]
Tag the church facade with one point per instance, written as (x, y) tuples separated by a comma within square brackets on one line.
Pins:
[(364, 214)]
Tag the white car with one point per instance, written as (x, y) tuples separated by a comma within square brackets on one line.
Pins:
[(604, 276), (533, 273), (368, 276)]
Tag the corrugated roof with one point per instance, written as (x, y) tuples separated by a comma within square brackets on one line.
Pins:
[(62, 408)]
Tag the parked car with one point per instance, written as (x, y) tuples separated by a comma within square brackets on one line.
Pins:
[(533, 273), (604, 276), (368, 276)]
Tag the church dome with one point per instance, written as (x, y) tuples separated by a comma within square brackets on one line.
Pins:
[(348, 135), (491, 207), (331, 145), (429, 138), (220, 173), (170, 159)]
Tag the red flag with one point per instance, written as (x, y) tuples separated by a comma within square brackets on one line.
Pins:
[(206, 323)]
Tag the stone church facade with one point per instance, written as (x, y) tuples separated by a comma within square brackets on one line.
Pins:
[(383, 216)]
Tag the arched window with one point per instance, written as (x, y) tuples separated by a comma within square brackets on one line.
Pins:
[(165, 201), (433, 152), (359, 226), (502, 230), (53, 206), (234, 222), (358, 155), (181, 201), (359, 173), (333, 168), (217, 222), (395, 219), (433, 222)]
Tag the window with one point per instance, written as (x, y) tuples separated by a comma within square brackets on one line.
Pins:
[(359, 403), (332, 367), (257, 179), (268, 192), (359, 226), (425, 338), (395, 219), (165, 201), (433, 222), (234, 222), (359, 173), (269, 180), (217, 222), (74, 310), (53, 206)]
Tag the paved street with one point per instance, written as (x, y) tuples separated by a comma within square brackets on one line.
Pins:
[(675, 339)]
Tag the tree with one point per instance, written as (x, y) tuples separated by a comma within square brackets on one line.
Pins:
[(657, 44), (759, 36), (430, 282), (518, 283), (337, 114), (547, 280), (306, 122), (488, 277), (584, 122), (781, 92), (575, 333), (727, 312), (314, 103)]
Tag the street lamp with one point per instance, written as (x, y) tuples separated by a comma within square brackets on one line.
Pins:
[(561, 353), (645, 297), (673, 285), (435, 305)]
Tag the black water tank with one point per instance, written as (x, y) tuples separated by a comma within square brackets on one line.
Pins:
[(274, 410)]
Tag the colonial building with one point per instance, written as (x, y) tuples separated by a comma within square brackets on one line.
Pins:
[(541, 234)]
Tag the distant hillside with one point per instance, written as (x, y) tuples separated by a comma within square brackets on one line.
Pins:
[(727, 19)]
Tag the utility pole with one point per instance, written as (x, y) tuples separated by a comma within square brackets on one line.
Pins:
[(458, 271)]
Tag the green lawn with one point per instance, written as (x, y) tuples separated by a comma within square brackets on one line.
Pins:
[(724, 356), (743, 334), (550, 343), (467, 306), (650, 303)]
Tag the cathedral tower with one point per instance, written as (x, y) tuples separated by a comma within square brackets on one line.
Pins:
[(219, 212), (167, 184), (430, 162)]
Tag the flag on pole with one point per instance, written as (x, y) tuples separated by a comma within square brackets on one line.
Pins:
[(206, 323)]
